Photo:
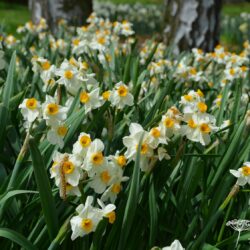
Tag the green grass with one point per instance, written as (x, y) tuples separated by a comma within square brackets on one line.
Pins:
[(235, 9), (13, 15)]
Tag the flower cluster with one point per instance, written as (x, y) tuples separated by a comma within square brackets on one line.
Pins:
[(105, 176), (88, 161), (150, 142), (199, 124), (51, 112), (88, 217), (33, 28), (129, 107), (145, 17)]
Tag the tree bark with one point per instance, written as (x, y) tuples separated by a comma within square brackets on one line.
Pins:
[(191, 23), (75, 12)]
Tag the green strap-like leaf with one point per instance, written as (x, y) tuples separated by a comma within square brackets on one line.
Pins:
[(43, 185), (223, 105), (17, 238), (8, 195), (132, 202), (228, 155), (6, 95), (153, 213), (9, 85)]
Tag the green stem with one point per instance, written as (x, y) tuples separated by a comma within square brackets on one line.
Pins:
[(83, 195), (61, 234), (215, 144), (179, 153), (213, 220), (18, 163), (225, 221), (111, 125), (232, 193)]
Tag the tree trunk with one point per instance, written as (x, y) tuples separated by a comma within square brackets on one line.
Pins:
[(191, 23), (75, 12)]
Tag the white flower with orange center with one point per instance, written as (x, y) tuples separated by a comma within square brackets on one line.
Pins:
[(126, 28), (75, 42), (108, 211), (65, 169), (198, 127), (10, 41), (157, 137), (30, 109), (53, 113), (83, 45), (132, 143), (86, 220), (91, 100), (119, 161), (40, 64), (48, 77), (174, 113), (195, 75), (120, 96), (198, 53), (202, 107), (169, 126), (67, 74), (99, 42), (73, 62), (103, 178), (56, 135), (232, 73), (94, 161), (30, 26), (83, 65), (85, 75), (157, 68), (106, 95), (242, 174), (193, 102), (82, 144), (113, 190)]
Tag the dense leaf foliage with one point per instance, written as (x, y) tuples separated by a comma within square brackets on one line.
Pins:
[(124, 144)]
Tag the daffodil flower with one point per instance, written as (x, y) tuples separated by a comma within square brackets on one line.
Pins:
[(82, 144), (242, 174), (89, 217), (30, 109), (56, 135), (91, 100), (120, 96), (66, 169), (199, 127), (52, 112), (176, 245), (94, 161)]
